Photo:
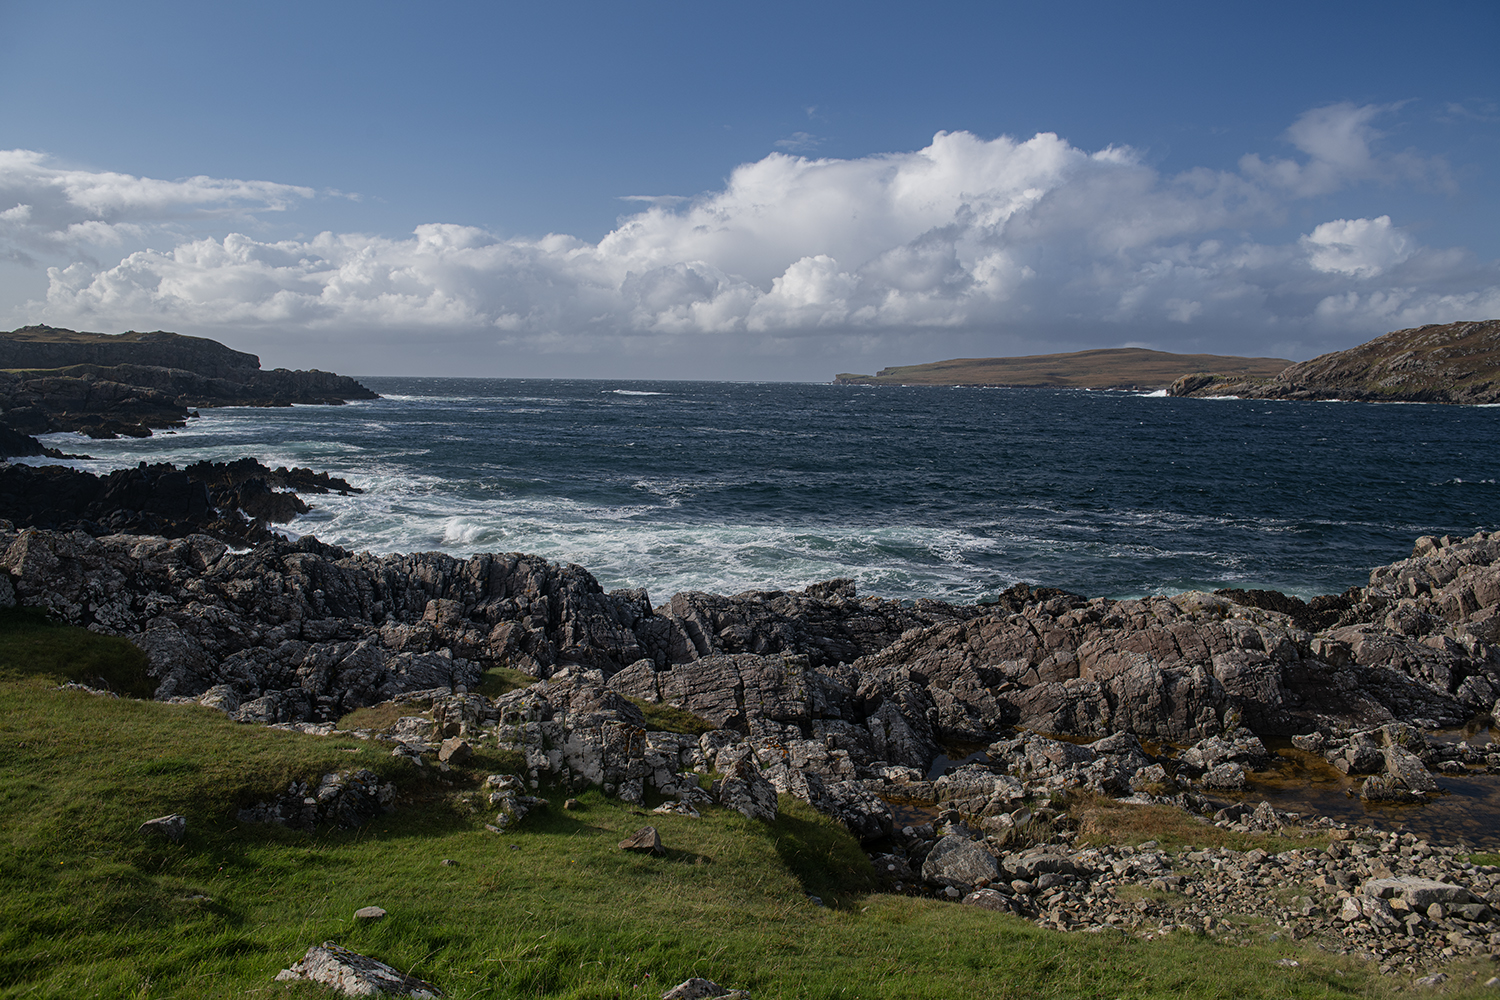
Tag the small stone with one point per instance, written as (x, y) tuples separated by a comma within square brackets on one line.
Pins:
[(172, 827), (1436, 979), (455, 751), (694, 989), (571, 804), (647, 841), (369, 913), (448, 862), (1290, 963)]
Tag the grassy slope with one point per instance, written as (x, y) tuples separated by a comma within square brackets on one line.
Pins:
[(1099, 369), (90, 909)]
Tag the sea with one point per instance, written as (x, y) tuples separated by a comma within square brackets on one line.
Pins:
[(914, 492)]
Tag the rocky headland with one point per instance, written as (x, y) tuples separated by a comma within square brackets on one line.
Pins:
[(1438, 363), (107, 385)]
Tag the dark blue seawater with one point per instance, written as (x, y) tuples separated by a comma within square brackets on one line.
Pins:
[(913, 492)]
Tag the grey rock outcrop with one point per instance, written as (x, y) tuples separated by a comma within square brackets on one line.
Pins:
[(960, 863), (354, 974), (298, 632), (345, 798), (745, 790)]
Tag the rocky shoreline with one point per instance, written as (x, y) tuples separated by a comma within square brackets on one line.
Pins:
[(105, 385), (849, 702), (1438, 363), (233, 502)]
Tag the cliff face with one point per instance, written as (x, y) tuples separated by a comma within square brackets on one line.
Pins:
[(107, 385), (53, 347), (1447, 363)]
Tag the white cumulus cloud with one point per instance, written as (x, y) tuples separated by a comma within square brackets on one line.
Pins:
[(49, 208), (1031, 238)]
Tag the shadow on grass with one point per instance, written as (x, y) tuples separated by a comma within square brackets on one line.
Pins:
[(825, 859), (33, 645)]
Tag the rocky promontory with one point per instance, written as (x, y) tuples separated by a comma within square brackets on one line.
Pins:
[(1438, 363), (234, 502), (106, 385)]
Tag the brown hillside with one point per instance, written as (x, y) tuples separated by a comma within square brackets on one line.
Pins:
[(1111, 368), (1438, 363)]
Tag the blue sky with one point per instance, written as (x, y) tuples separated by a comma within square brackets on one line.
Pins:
[(463, 188)]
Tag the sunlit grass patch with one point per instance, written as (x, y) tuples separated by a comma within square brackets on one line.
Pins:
[(664, 718), (88, 908), (1102, 820)]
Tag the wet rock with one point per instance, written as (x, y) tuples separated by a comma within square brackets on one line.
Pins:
[(354, 974)]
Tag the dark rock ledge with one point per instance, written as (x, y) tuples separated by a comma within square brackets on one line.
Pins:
[(233, 502), (107, 385), (846, 702)]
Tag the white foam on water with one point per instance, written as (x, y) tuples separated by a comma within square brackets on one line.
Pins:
[(634, 392)]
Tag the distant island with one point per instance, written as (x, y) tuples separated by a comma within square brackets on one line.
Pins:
[(1109, 368), (1437, 363)]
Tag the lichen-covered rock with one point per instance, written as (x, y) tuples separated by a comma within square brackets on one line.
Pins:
[(745, 790), (959, 862), (354, 974)]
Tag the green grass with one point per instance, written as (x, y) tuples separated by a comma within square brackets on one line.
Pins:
[(31, 645), (88, 908), (501, 680), (664, 718)]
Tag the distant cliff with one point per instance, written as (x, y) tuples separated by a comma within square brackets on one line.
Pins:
[(54, 347), (1112, 368), (105, 385), (1447, 363)]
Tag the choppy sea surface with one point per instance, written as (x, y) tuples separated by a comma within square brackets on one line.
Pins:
[(913, 492)]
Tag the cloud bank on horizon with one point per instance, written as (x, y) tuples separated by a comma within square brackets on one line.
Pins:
[(1020, 246)]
